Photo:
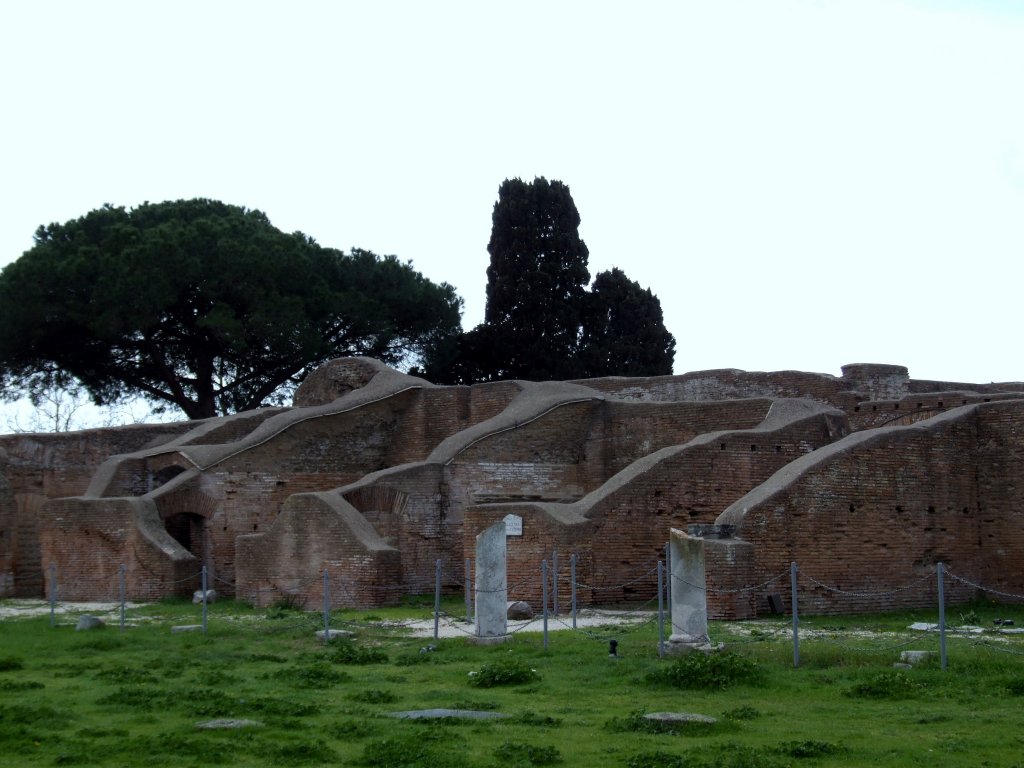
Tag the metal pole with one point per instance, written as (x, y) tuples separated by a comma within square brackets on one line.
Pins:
[(437, 598), (53, 593), (661, 608), (327, 607), (120, 575), (468, 592), (554, 581), (942, 615), (204, 599), (572, 571), (796, 617), (544, 589)]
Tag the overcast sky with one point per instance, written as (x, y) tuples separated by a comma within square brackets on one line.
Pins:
[(802, 184)]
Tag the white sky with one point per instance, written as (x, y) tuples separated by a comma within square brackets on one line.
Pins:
[(803, 184)]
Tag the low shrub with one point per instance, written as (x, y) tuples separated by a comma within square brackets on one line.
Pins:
[(422, 749), (318, 676), (891, 684), (810, 748), (374, 697), (540, 721), (637, 722), (303, 752), (746, 712), (347, 652), (708, 670), (11, 664), (503, 672), (515, 754)]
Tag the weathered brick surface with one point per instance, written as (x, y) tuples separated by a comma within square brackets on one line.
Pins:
[(877, 511), (383, 474), (317, 532), (8, 531), (619, 532)]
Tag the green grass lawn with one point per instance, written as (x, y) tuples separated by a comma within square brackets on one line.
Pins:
[(112, 698)]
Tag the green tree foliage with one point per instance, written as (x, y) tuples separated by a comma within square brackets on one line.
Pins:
[(536, 281), (204, 306), (623, 332), (541, 322)]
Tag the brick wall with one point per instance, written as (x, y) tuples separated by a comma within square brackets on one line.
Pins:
[(89, 542), (878, 510), (313, 533), (618, 533), (8, 531)]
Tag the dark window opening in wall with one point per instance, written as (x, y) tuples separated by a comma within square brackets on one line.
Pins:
[(965, 402), (255, 526), (753, 447), (853, 508), (856, 409), (899, 508), (940, 403), (874, 407), (988, 399), (778, 449), (166, 474), (723, 446), (967, 511), (919, 405), (895, 406), (931, 510), (186, 528)]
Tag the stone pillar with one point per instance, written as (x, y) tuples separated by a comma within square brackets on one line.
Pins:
[(491, 585), (689, 595)]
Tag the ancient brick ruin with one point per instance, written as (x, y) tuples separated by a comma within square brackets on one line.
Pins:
[(867, 480)]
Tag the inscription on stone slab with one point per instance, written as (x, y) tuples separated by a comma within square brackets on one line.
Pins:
[(513, 525)]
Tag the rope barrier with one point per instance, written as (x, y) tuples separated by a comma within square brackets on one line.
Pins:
[(988, 590), (715, 591), (580, 585), (885, 593), (823, 637)]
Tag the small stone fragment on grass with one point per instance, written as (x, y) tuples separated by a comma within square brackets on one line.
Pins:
[(680, 718), (435, 714), (228, 724), (211, 596), (915, 657), (88, 621), (520, 610), (187, 628), (333, 634)]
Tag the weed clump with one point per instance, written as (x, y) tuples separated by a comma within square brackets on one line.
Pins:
[(20, 685), (319, 676), (810, 748), (374, 697), (891, 684), (1015, 687), (430, 749), (539, 721), (347, 652), (515, 754), (695, 671), (637, 722), (302, 752), (746, 712), (126, 676), (503, 672), (11, 664)]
